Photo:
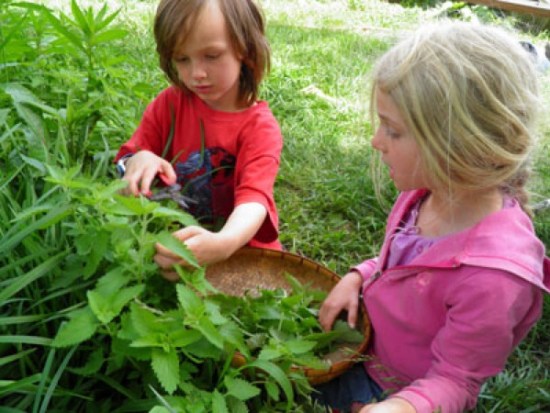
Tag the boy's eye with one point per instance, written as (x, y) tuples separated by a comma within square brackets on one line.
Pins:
[(181, 59), (212, 56)]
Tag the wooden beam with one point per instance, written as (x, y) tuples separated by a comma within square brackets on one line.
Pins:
[(536, 8)]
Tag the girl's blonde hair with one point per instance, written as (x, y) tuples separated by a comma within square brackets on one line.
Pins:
[(245, 23), (468, 94)]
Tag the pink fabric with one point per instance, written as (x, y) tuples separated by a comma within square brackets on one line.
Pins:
[(250, 141), (450, 318)]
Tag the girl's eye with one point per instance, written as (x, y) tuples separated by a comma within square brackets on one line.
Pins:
[(182, 59), (212, 56), (391, 132)]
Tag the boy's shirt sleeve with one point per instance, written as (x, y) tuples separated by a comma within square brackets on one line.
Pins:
[(258, 158)]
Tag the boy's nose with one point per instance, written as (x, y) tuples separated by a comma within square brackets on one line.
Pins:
[(197, 71)]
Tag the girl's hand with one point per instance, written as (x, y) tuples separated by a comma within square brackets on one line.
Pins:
[(344, 296), (207, 247), (392, 405), (142, 168)]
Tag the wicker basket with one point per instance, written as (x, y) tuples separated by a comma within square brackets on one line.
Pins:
[(252, 269)]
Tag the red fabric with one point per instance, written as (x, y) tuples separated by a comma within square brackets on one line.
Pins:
[(239, 160)]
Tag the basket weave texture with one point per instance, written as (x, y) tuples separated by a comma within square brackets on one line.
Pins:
[(252, 269)]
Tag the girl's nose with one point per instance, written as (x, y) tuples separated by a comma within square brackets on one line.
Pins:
[(377, 140)]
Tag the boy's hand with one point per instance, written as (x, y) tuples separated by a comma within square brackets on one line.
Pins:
[(142, 168), (207, 247)]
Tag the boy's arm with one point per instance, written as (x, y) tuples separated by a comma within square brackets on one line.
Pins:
[(211, 247)]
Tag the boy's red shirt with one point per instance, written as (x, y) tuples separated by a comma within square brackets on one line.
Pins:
[(235, 162)]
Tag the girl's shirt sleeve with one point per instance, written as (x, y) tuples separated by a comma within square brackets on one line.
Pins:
[(489, 314)]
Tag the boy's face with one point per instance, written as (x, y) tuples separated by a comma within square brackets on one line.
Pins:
[(206, 62), (397, 147)]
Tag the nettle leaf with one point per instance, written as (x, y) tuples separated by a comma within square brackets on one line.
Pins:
[(169, 339), (107, 307), (346, 333), (81, 326), (192, 305), (175, 215), (214, 313), (239, 388), (97, 253), (277, 374), (184, 337), (299, 346), (234, 335), (166, 367), (312, 362), (218, 403), (270, 353), (197, 278), (143, 320), (237, 406), (204, 349), (210, 332), (167, 240), (136, 205), (272, 390), (121, 350), (113, 280), (93, 365)]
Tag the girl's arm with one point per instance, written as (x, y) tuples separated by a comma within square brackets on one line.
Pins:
[(211, 247)]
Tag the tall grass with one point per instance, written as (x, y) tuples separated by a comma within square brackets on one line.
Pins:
[(74, 80)]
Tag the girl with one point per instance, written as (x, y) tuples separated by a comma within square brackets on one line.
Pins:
[(460, 278), (208, 132)]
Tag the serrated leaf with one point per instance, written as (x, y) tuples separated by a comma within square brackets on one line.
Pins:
[(239, 388), (175, 215), (218, 403), (128, 205), (210, 332), (167, 240), (107, 307), (269, 353), (92, 366), (234, 335), (237, 406), (272, 390), (82, 326), (143, 321), (166, 368), (346, 334), (278, 376), (189, 301), (113, 281), (299, 346)]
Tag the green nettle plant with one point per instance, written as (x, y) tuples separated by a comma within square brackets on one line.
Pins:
[(132, 337)]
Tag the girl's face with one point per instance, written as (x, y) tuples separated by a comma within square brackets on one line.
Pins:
[(206, 62), (398, 148)]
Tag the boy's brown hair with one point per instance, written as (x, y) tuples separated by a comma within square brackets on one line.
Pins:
[(245, 23)]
